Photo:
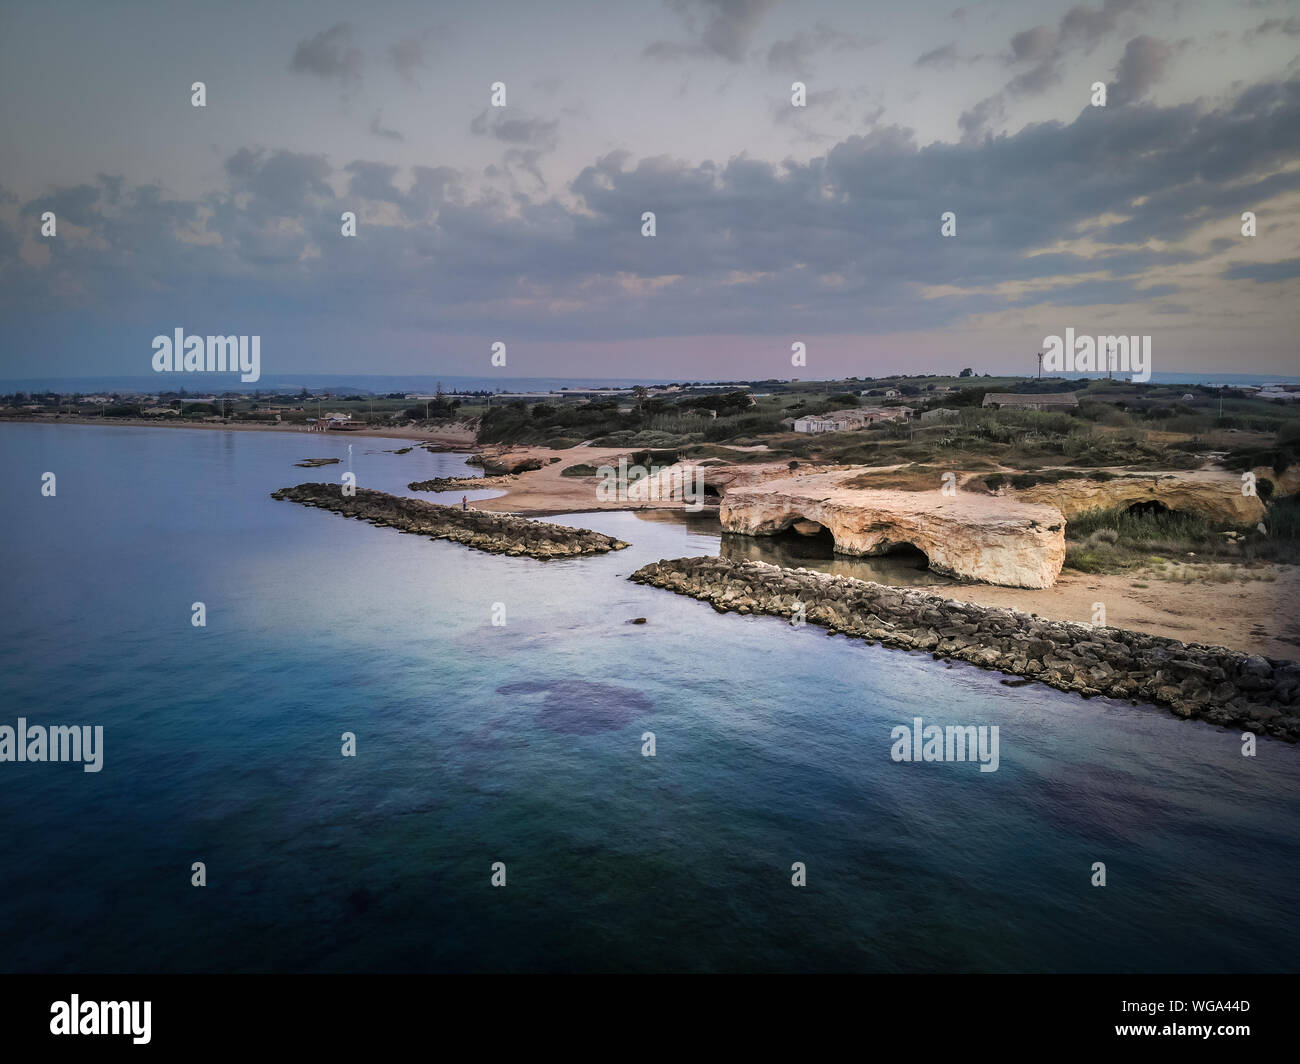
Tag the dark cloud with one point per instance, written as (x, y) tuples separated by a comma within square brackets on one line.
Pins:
[(410, 55), (282, 181), (745, 246), (975, 122), (1273, 27), (1034, 44), (940, 58), (718, 27), (430, 187), (330, 55), (1089, 24), (1141, 66), (1266, 272), (513, 129), (1046, 47), (379, 130)]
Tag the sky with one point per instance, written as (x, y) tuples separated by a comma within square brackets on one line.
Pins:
[(774, 224)]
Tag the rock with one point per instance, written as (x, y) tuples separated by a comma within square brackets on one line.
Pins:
[(1211, 683), (496, 465), (637, 620), (973, 536), (807, 528), (1213, 493), (480, 529), (460, 483)]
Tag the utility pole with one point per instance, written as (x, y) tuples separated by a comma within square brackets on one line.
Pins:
[(1040, 364)]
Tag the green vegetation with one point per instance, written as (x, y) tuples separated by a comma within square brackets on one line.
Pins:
[(1121, 538)]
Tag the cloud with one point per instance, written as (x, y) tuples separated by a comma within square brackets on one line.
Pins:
[(531, 132), (718, 27), (409, 55), (1273, 27), (282, 182), (1046, 47), (1056, 214), (1141, 66), (378, 129), (1037, 43), (795, 54), (939, 58), (330, 55), (976, 121), (1265, 272), (1089, 25), (430, 187)]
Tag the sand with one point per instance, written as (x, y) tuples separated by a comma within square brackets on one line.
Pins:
[(1252, 616)]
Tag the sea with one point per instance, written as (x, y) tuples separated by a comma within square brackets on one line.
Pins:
[(501, 812)]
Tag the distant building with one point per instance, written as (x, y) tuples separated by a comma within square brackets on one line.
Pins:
[(940, 414), (891, 393), (844, 420), (1041, 401)]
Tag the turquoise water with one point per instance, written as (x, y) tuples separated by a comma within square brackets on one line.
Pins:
[(522, 744)]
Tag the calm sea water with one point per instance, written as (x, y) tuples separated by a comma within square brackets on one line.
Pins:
[(522, 744)]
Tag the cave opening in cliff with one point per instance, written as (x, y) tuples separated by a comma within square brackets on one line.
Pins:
[(803, 538), (1147, 507), (908, 554)]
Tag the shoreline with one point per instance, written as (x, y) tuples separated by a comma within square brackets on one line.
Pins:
[(452, 437), (1248, 615), (1194, 681)]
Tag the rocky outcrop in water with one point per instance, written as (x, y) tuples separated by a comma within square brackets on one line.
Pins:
[(461, 483), (492, 532), (1218, 685), (992, 540)]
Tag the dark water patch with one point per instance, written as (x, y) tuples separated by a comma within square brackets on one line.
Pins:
[(579, 707)]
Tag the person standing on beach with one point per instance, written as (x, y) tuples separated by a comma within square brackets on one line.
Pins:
[(464, 502)]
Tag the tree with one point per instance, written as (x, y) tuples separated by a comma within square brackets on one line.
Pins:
[(967, 372), (640, 393)]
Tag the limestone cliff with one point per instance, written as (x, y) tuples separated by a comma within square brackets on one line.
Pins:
[(998, 541), (1213, 493)]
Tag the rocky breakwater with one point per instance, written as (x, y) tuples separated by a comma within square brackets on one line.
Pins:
[(1218, 685), (491, 532), (996, 541)]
